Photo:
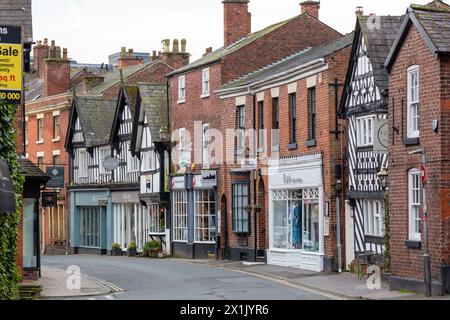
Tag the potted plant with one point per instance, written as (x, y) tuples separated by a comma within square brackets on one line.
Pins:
[(154, 247), (249, 208), (116, 249), (257, 208), (132, 249)]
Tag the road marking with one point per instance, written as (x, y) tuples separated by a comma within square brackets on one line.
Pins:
[(110, 297), (280, 281), (110, 285)]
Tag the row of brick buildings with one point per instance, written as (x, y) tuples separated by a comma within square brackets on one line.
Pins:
[(277, 151)]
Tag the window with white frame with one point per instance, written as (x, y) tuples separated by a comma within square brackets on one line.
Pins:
[(241, 200), (56, 127), (83, 164), (373, 218), (148, 160), (413, 102), (184, 151), (157, 216), (414, 204), (365, 131), (132, 162), (205, 82), (206, 149), (181, 88), (205, 216), (104, 153), (180, 215), (40, 130)]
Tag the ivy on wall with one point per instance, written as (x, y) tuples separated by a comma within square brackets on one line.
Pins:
[(387, 240), (9, 222)]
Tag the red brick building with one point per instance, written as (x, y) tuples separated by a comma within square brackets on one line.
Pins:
[(288, 112), (419, 122), (195, 109)]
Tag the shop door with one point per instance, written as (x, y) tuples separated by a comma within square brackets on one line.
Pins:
[(90, 227)]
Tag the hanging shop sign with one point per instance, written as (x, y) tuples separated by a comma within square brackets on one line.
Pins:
[(11, 60), (381, 141), (209, 178), (49, 199), (7, 195), (57, 177)]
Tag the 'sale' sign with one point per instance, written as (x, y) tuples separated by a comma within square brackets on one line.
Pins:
[(11, 59)]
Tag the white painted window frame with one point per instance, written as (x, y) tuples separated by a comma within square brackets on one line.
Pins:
[(373, 212), (365, 131), (206, 145), (206, 83), (181, 89), (83, 171), (413, 97), (414, 204)]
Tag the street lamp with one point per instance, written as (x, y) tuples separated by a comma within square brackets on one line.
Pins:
[(383, 175), (163, 132), (426, 254)]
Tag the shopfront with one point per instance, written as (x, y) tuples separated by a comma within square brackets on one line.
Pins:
[(91, 223), (296, 209), (194, 215)]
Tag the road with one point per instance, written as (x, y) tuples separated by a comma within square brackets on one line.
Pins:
[(170, 279)]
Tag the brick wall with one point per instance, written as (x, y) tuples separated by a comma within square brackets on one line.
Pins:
[(434, 85)]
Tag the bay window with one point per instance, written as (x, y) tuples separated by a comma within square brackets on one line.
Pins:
[(413, 102)]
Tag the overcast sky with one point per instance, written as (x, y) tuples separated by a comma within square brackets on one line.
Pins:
[(93, 29)]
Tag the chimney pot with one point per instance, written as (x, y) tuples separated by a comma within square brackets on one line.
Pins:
[(311, 7), (175, 47), (166, 45), (45, 41), (65, 55), (53, 43), (183, 45), (359, 11)]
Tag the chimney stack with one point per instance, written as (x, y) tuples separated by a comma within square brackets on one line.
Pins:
[(91, 81), (207, 51), (359, 11), (41, 52), (237, 20), (311, 7), (56, 71), (127, 59), (175, 58)]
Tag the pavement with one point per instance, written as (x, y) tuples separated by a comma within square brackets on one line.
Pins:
[(57, 283), (123, 278)]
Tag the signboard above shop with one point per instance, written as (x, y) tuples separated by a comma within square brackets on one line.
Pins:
[(11, 64), (57, 177), (49, 199)]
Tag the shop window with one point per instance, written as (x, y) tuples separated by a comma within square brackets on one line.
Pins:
[(180, 215), (296, 220), (126, 224), (205, 216), (240, 202), (157, 217)]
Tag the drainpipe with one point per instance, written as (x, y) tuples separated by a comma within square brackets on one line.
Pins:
[(254, 178)]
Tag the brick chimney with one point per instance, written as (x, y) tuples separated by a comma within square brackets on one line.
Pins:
[(40, 53), (311, 7), (56, 71), (128, 59), (237, 20), (176, 58), (207, 51)]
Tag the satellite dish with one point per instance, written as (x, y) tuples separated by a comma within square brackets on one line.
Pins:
[(111, 163)]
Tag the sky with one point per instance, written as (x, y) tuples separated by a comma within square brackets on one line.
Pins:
[(94, 29)]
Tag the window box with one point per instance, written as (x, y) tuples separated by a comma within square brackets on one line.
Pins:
[(411, 244), (411, 142)]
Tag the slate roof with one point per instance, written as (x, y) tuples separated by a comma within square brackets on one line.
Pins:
[(432, 21), (31, 171), (224, 51), (154, 102), (293, 61), (96, 117), (379, 42)]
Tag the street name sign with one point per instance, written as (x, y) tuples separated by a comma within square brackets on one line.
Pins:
[(11, 64)]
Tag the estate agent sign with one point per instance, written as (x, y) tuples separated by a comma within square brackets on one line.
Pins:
[(11, 60)]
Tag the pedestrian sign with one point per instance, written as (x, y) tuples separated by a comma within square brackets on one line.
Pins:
[(11, 60)]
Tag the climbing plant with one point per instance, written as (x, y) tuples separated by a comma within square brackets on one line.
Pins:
[(387, 240), (9, 222)]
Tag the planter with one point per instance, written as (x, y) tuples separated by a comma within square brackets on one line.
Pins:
[(132, 252), (258, 210), (116, 252)]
